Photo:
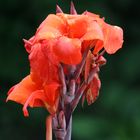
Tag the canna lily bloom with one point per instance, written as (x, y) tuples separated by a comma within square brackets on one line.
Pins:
[(62, 38), (68, 41), (41, 87), (65, 56)]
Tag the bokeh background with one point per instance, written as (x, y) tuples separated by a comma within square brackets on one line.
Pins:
[(116, 113)]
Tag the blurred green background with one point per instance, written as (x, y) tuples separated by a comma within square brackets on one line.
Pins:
[(116, 113)]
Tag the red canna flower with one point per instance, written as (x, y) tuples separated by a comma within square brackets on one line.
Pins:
[(65, 57), (59, 40)]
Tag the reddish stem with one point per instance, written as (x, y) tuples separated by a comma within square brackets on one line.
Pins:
[(69, 130), (81, 65)]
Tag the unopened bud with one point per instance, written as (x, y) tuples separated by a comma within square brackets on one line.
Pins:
[(58, 9)]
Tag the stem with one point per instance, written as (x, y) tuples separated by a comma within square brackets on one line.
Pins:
[(64, 88), (71, 92), (83, 87), (69, 130), (78, 96), (62, 79), (81, 65)]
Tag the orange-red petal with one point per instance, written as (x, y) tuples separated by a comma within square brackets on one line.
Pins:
[(23, 91), (51, 93), (52, 27), (88, 64), (53, 21), (78, 26), (47, 33), (91, 14), (94, 32), (113, 38), (94, 37), (34, 100), (113, 35), (42, 65), (68, 50), (93, 90)]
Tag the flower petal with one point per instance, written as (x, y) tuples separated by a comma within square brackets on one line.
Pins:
[(53, 21), (52, 27), (68, 50), (34, 100), (88, 64), (113, 38), (23, 90), (51, 93), (29, 93), (42, 63), (91, 14), (93, 91), (93, 37), (78, 26), (94, 32), (113, 35), (47, 34)]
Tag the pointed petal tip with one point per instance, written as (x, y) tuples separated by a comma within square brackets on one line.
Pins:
[(72, 9), (85, 12), (27, 45), (25, 111), (11, 89), (72, 4), (26, 41), (6, 100), (58, 9)]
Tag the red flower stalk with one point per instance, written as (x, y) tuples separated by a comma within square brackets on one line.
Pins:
[(65, 57)]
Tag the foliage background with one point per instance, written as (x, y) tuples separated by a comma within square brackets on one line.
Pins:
[(115, 115)]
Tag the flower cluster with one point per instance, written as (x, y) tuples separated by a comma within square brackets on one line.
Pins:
[(65, 55)]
